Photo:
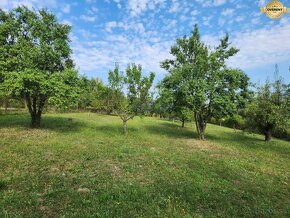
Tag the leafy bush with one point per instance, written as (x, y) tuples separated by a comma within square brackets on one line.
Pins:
[(236, 121)]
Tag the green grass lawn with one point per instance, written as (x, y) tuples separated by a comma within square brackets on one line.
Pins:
[(85, 167)]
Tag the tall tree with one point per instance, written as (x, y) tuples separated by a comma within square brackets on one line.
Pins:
[(130, 92), (199, 76), (35, 59)]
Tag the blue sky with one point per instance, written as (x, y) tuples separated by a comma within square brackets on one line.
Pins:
[(142, 31)]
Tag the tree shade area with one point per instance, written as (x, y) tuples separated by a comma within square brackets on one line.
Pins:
[(203, 141)]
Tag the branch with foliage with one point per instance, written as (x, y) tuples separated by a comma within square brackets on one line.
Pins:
[(130, 92), (200, 80)]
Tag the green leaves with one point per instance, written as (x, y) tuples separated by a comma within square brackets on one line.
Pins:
[(267, 113), (35, 59), (66, 89), (200, 80), (35, 39), (131, 91)]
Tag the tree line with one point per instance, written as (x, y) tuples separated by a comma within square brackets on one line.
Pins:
[(36, 70)]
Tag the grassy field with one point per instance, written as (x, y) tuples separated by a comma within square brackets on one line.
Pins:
[(85, 167)]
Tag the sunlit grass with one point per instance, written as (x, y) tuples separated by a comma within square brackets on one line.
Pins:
[(85, 167)]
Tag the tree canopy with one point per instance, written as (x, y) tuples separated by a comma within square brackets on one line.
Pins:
[(201, 81), (35, 59)]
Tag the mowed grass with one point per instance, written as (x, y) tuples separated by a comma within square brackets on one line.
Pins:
[(85, 167)]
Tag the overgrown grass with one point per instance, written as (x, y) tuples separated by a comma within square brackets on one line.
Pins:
[(85, 167)]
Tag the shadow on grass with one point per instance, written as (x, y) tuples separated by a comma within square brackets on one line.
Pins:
[(112, 130), (248, 141), (236, 139), (3, 185), (58, 124), (172, 130), (168, 129)]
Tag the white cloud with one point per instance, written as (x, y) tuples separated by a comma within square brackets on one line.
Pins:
[(88, 18), (8, 4), (206, 20), (262, 3), (228, 12), (67, 22), (140, 28), (136, 7), (90, 1), (240, 18), (210, 40), (255, 20), (175, 7), (183, 18), (258, 48), (218, 2), (135, 26), (118, 2), (262, 47), (92, 11), (194, 12), (66, 8), (110, 25), (86, 34), (100, 56), (221, 21), (211, 3)]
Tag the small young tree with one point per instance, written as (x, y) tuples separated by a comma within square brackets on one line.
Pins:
[(35, 59), (200, 80), (185, 115), (269, 112), (130, 92)]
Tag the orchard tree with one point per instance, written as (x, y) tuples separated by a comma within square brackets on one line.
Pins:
[(130, 92), (199, 76), (35, 59), (175, 102), (270, 110)]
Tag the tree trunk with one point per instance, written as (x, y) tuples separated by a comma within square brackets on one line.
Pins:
[(35, 120), (268, 135), (124, 127), (5, 104), (201, 131), (35, 106), (201, 135), (200, 126), (196, 123), (182, 124)]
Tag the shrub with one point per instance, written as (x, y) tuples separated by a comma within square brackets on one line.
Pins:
[(236, 121)]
